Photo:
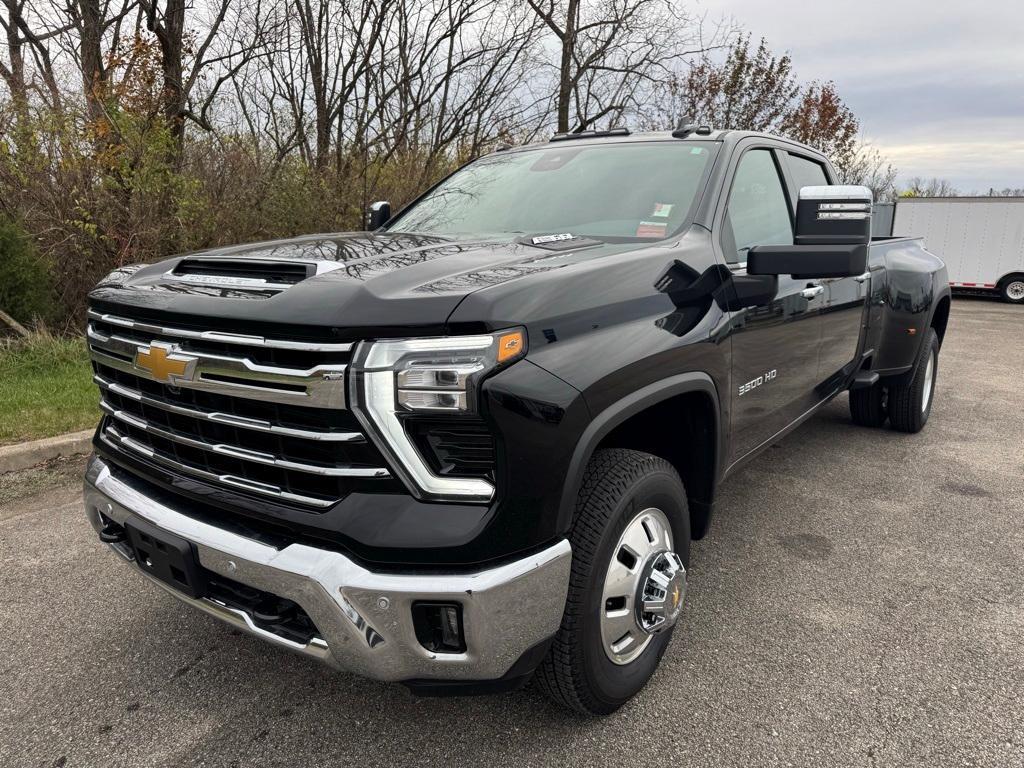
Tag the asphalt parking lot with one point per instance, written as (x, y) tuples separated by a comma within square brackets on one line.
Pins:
[(858, 601)]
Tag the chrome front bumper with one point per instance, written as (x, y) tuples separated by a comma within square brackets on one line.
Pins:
[(364, 618)]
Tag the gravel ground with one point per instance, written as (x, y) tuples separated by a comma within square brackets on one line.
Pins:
[(858, 601)]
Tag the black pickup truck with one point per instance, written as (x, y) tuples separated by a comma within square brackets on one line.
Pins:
[(472, 445)]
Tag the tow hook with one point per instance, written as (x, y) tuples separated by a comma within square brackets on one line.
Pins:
[(112, 534)]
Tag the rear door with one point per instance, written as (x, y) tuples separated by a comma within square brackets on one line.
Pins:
[(842, 304), (774, 348)]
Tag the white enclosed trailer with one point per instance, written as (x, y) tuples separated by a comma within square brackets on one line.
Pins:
[(981, 239)]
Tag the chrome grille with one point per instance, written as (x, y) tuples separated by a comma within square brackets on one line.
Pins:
[(321, 386), (264, 416)]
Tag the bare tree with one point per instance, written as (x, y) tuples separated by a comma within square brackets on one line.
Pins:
[(29, 67), (867, 167), (363, 82), (186, 57), (459, 65), (610, 52), (934, 187), (91, 32)]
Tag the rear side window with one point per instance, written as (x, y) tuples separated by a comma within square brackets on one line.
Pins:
[(807, 173), (757, 212)]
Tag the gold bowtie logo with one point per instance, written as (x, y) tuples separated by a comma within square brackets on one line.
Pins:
[(165, 363), (676, 594)]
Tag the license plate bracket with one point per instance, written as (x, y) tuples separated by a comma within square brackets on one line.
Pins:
[(166, 557)]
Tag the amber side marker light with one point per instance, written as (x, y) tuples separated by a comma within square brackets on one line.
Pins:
[(511, 346)]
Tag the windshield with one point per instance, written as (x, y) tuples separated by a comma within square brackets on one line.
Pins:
[(623, 192)]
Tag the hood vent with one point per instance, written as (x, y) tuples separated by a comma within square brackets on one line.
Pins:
[(251, 274)]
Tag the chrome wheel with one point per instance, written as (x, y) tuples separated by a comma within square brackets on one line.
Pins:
[(1015, 290), (644, 587), (929, 383)]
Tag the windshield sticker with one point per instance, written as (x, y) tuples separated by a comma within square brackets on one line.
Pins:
[(551, 238), (651, 229), (662, 210)]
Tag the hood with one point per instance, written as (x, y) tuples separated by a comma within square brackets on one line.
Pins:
[(342, 281)]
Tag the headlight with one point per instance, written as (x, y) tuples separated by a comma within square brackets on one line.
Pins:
[(396, 379)]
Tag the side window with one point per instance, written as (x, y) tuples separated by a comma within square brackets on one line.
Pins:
[(757, 213), (807, 173)]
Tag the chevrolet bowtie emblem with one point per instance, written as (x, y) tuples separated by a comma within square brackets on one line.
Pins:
[(165, 363)]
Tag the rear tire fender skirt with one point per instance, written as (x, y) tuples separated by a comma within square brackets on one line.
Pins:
[(614, 415)]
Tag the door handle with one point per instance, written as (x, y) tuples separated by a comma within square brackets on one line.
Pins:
[(863, 278), (812, 291)]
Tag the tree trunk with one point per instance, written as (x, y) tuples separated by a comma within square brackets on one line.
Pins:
[(91, 53), (14, 73), (174, 67), (170, 34), (565, 73)]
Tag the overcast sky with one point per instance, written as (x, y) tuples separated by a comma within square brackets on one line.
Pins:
[(938, 86)]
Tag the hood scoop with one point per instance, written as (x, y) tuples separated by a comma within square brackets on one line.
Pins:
[(243, 274)]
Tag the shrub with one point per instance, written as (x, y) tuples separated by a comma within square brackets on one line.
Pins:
[(26, 293)]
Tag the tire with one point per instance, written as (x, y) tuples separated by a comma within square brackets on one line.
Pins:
[(910, 403), (620, 488), (1012, 289), (868, 405)]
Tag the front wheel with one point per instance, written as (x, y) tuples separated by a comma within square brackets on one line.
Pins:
[(630, 550), (910, 403)]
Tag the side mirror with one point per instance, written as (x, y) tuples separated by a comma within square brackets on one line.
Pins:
[(377, 215), (833, 230), (833, 216)]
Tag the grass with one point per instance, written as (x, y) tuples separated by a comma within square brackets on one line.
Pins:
[(46, 388)]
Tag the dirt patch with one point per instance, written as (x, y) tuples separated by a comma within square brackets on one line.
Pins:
[(63, 471)]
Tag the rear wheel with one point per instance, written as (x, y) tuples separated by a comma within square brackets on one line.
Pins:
[(910, 403), (868, 405), (630, 549), (1012, 289)]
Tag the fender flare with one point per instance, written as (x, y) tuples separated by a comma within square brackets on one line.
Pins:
[(620, 411), (944, 292)]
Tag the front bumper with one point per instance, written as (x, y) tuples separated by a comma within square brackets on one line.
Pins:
[(364, 618)]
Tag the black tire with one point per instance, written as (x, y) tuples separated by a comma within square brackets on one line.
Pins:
[(908, 411), (618, 484), (1012, 289), (868, 405)]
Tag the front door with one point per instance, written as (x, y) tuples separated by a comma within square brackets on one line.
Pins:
[(774, 348)]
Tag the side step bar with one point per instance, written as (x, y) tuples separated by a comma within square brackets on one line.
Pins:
[(864, 379)]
